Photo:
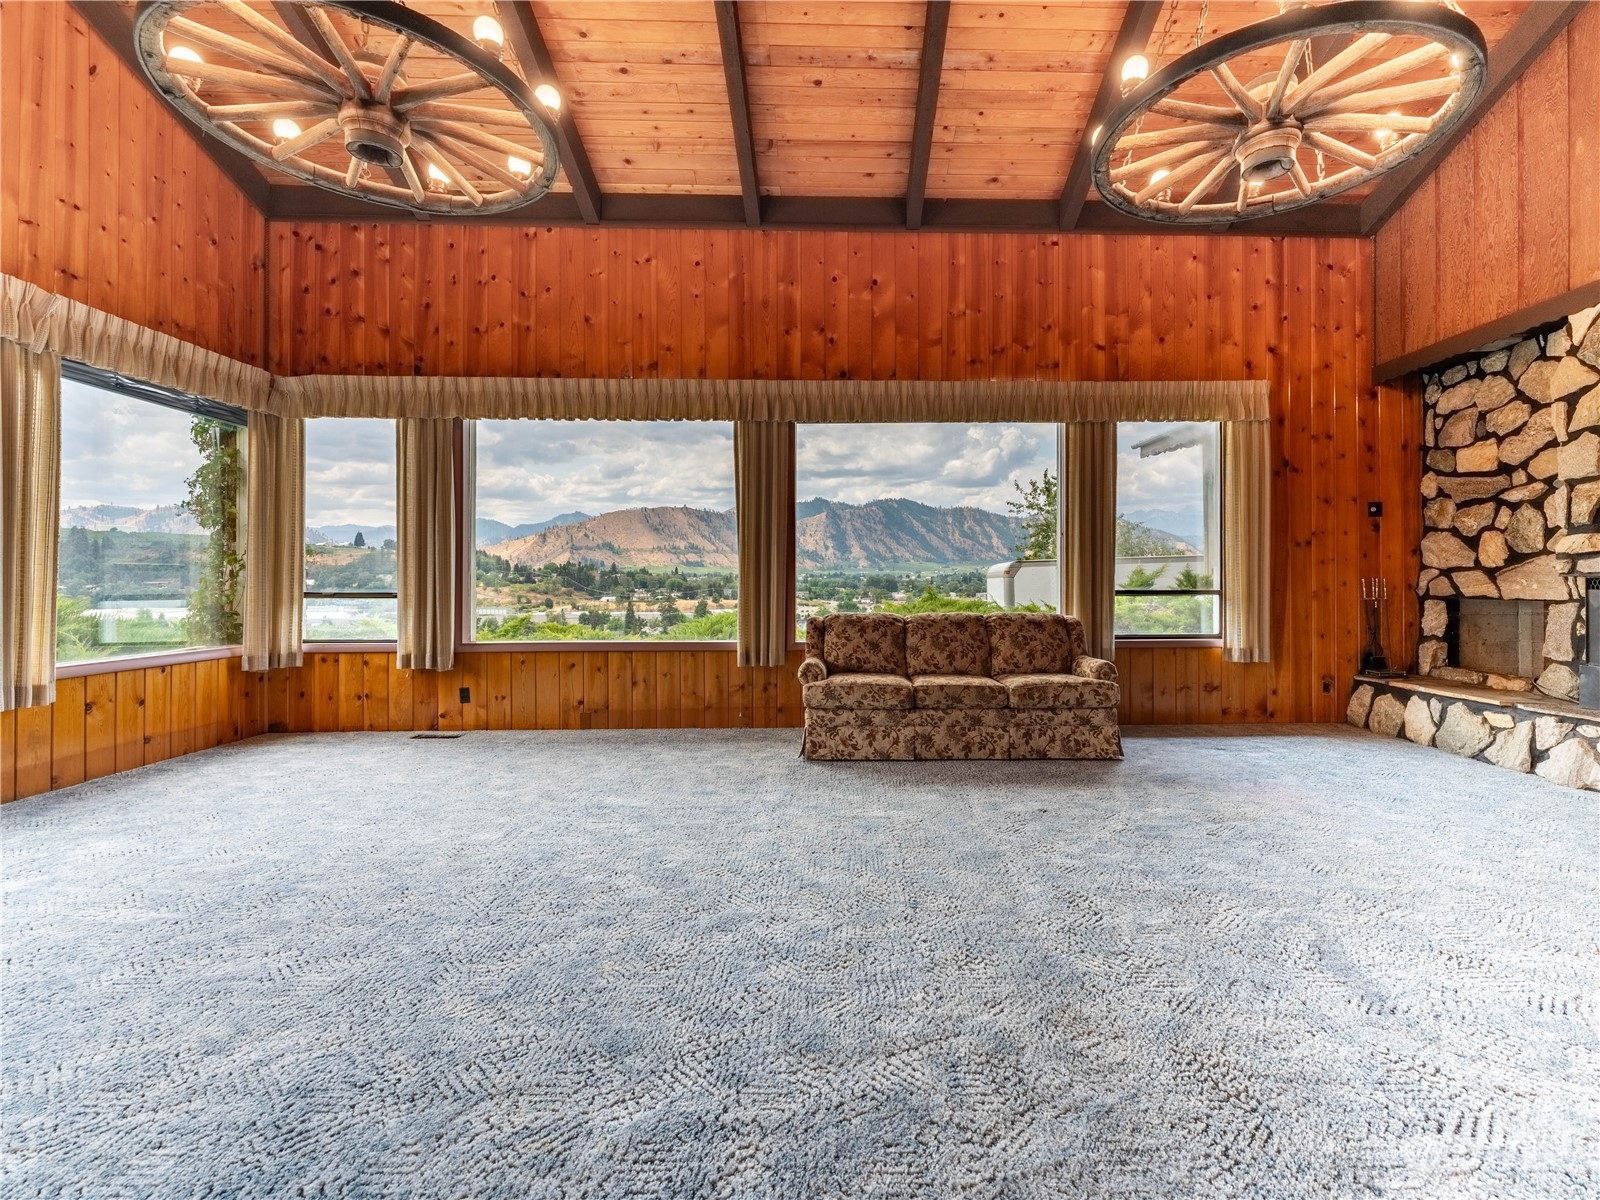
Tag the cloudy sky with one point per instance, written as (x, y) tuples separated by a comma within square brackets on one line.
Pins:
[(116, 450), (349, 471), (128, 452)]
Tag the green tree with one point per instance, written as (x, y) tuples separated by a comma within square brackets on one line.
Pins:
[(1036, 508), (1191, 580), (702, 608), (670, 615), (1140, 578), (360, 541), (213, 501), (630, 620)]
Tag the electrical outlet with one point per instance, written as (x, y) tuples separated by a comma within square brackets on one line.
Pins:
[(466, 695), (1327, 686)]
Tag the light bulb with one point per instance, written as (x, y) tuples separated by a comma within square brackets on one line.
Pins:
[(520, 167), (1385, 137), (283, 129), (184, 54), (1158, 176), (437, 175), (548, 97), (487, 33), (1094, 138), (1135, 70), (1455, 61)]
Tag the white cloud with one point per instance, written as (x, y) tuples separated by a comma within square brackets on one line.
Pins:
[(1165, 481), (350, 475), (946, 465), (533, 470), (118, 450)]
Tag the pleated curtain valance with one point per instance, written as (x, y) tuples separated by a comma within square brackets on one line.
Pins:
[(805, 401), (47, 323)]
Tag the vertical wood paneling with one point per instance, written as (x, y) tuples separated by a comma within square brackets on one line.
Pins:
[(1295, 311), (116, 721), (107, 200), (1511, 218)]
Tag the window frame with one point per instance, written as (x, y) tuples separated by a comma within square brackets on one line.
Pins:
[(466, 446), (134, 388), (353, 645), (1183, 641)]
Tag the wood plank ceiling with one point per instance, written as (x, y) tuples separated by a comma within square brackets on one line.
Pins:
[(816, 124)]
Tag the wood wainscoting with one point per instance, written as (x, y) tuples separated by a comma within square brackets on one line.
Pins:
[(529, 689), (118, 720)]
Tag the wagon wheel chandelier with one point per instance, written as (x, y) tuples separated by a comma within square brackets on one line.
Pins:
[(370, 100), (1252, 123)]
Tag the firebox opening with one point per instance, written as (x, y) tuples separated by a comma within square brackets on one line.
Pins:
[(1501, 637)]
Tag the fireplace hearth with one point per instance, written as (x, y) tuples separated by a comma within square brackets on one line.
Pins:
[(1510, 561)]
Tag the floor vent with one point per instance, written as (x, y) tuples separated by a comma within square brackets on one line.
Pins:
[(432, 736)]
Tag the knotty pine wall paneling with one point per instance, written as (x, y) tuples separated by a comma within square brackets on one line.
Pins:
[(537, 689), (118, 720), (107, 199), (493, 300), (1511, 217)]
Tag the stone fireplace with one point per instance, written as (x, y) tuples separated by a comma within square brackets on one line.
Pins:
[(1511, 542)]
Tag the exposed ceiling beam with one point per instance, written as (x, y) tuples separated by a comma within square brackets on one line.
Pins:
[(304, 30), (1523, 42), (527, 44), (1137, 21), (115, 28), (739, 109), (677, 210), (934, 27)]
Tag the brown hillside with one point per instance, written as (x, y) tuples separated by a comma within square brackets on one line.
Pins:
[(828, 536)]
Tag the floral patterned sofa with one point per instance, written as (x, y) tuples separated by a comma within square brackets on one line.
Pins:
[(956, 685)]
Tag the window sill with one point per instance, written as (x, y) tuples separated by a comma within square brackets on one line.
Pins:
[(138, 662), (1175, 642), (347, 647)]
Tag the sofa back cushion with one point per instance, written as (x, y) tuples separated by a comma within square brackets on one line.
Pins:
[(947, 644), (1033, 643), (874, 642)]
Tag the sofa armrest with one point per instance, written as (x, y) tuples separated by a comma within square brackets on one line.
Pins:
[(1090, 667), (813, 670)]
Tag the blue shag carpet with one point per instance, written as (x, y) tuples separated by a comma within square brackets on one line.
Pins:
[(1261, 963)]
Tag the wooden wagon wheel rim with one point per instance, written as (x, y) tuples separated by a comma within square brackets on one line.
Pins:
[(1260, 136), (410, 148)]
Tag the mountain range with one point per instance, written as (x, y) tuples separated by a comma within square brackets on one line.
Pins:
[(161, 518), (828, 536)]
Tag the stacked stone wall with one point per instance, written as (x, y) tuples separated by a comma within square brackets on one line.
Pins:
[(1511, 493)]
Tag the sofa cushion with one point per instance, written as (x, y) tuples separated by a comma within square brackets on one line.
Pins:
[(958, 691), (1051, 690), (862, 690), (873, 643), (947, 644), (1031, 643)]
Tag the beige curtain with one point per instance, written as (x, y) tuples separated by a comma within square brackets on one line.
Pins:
[(275, 531), (763, 466), (1088, 530), (426, 560), (44, 321), (30, 492), (818, 400), (1247, 541)]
